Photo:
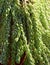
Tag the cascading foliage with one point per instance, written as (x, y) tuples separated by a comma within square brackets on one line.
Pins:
[(24, 32)]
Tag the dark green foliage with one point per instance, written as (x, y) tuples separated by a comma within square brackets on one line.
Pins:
[(24, 28)]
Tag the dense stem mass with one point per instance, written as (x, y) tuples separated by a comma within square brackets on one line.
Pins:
[(24, 32)]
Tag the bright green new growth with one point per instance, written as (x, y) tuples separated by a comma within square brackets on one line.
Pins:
[(25, 27)]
